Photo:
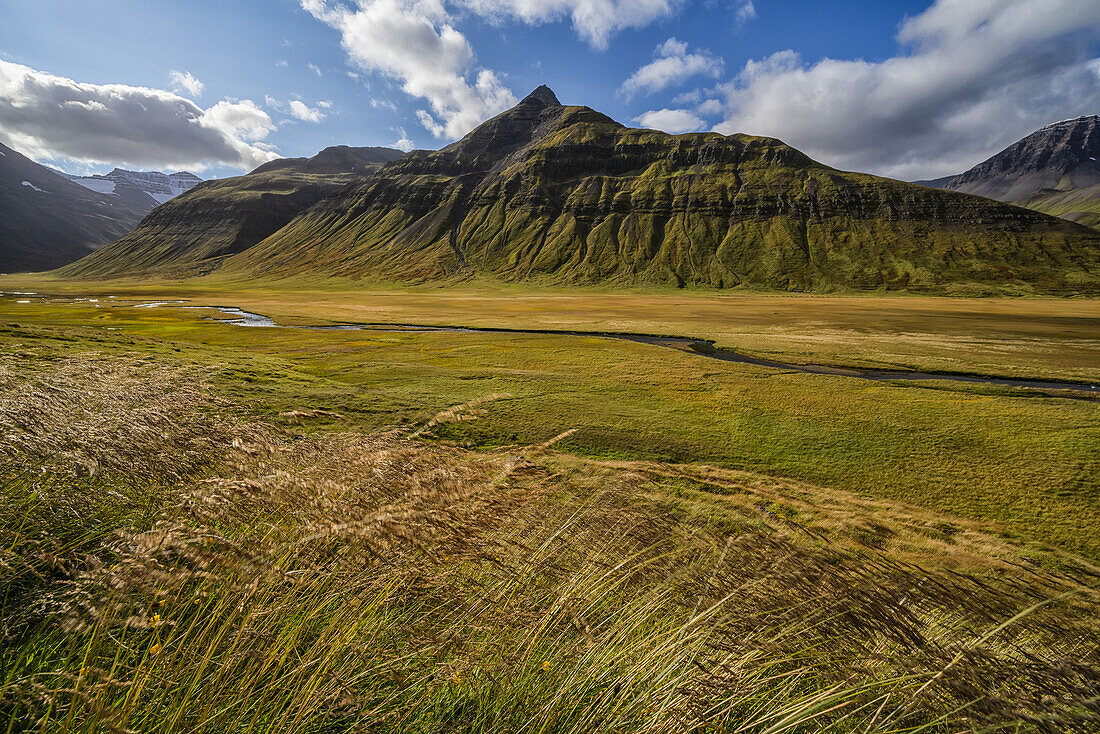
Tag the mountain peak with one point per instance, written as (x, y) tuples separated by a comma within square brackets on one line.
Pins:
[(1083, 119), (1060, 156), (543, 95)]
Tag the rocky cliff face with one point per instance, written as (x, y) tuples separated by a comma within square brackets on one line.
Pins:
[(1061, 156), (564, 194), (192, 233)]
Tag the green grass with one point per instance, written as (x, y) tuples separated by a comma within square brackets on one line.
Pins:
[(1022, 463), (1041, 338), (174, 563), (1080, 205)]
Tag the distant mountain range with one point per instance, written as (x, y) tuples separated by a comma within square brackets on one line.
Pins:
[(560, 194), (194, 232), (159, 187), (1054, 170)]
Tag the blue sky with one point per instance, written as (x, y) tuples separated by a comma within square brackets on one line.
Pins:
[(895, 87)]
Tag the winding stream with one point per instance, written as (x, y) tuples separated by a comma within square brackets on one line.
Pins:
[(703, 347)]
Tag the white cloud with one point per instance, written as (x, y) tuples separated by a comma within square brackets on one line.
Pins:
[(185, 81), (693, 96), (48, 116), (672, 65), (314, 68), (304, 112), (744, 11), (709, 107), (282, 63), (403, 142), (594, 20), (671, 121), (414, 41), (972, 77), (298, 109)]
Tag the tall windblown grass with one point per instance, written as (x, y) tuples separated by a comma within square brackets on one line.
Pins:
[(170, 567)]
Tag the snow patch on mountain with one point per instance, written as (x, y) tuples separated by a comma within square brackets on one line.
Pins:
[(28, 183), (99, 185), (159, 186)]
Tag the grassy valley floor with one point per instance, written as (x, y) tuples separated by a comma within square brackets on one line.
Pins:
[(216, 528), (1017, 337)]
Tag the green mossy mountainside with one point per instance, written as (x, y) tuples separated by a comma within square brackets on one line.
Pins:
[(190, 234), (1077, 205), (565, 195)]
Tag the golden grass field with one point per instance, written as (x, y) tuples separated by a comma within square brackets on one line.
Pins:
[(1024, 337), (214, 528)]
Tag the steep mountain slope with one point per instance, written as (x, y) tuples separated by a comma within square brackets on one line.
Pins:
[(46, 220), (1054, 170), (1061, 156), (566, 195), (192, 232)]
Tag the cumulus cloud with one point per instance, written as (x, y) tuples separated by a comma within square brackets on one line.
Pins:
[(48, 116), (672, 65), (414, 42), (594, 20), (670, 121), (185, 81), (971, 77), (304, 112), (403, 142)]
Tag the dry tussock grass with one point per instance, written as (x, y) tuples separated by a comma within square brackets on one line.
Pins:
[(346, 582)]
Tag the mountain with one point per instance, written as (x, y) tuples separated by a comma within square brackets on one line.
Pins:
[(336, 158), (1081, 205), (193, 232), (46, 220), (565, 195), (156, 187), (1054, 170)]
